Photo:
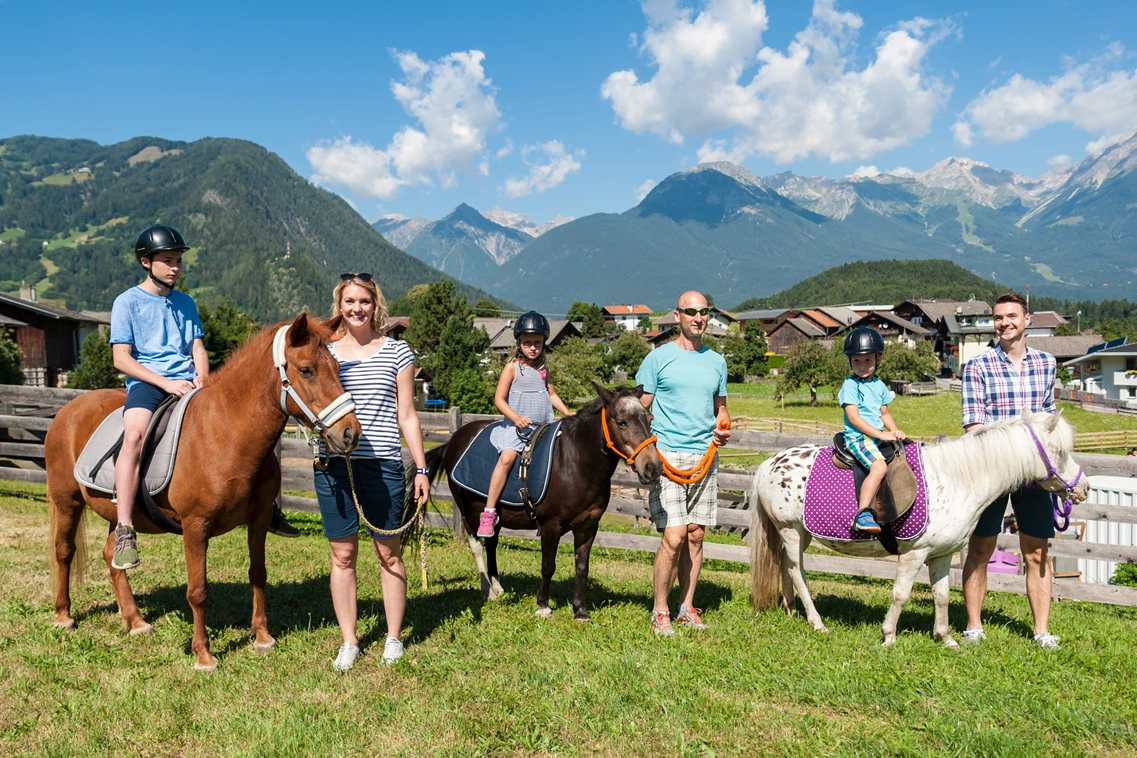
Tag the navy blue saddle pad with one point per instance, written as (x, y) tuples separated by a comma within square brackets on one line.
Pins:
[(474, 468)]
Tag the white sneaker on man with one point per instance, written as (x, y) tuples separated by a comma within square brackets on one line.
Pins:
[(973, 636), (392, 651), (345, 659), (1046, 641)]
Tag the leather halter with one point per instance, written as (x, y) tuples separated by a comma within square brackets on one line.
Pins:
[(332, 413), (629, 459), (1064, 503)]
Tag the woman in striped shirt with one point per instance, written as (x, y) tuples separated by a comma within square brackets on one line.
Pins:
[(378, 371)]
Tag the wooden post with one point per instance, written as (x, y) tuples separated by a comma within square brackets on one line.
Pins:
[(454, 423)]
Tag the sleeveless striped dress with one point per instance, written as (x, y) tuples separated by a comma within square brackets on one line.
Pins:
[(528, 396)]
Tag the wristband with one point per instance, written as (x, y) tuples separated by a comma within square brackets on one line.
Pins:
[(423, 471)]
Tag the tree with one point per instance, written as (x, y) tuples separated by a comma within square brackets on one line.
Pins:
[(745, 354), (811, 364), (96, 369), (226, 328), (627, 352), (10, 359), (592, 316), (572, 367), (710, 300), (432, 311), (1065, 329), (645, 324), (902, 363), (455, 353), (471, 392), (486, 308)]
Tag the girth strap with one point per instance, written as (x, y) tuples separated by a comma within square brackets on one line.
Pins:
[(526, 459)]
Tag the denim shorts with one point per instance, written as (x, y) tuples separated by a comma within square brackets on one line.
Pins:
[(1034, 512), (143, 395), (380, 487)]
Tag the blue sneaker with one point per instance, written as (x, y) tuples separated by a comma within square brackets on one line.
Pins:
[(864, 522)]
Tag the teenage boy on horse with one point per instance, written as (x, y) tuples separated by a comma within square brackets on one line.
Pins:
[(685, 388), (997, 386)]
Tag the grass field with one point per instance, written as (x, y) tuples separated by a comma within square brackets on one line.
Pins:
[(493, 679)]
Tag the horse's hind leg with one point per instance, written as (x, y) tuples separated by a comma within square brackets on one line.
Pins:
[(122, 592), (906, 570), (258, 576), (550, 538), (795, 545), (66, 518), (939, 568), (583, 538)]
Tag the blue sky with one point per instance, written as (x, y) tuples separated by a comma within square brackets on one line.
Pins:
[(573, 108)]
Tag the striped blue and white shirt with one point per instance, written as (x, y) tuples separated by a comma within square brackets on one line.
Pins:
[(371, 383)]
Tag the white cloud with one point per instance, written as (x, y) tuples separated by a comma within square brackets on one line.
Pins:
[(866, 172), (504, 151), (901, 171), (712, 73), (1058, 160), (1095, 96), (452, 102), (543, 175), (641, 191)]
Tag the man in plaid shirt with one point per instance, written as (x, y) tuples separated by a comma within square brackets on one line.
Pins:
[(997, 386)]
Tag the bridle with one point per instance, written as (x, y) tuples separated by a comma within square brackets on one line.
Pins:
[(320, 422), (1063, 500), (629, 459)]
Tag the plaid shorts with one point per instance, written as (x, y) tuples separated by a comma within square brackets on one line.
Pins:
[(674, 504), (864, 449)]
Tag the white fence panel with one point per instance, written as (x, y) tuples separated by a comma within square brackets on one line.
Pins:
[(1109, 490)]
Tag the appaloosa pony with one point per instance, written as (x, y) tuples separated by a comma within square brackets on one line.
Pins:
[(579, 486), (226, 474), (964, 475)]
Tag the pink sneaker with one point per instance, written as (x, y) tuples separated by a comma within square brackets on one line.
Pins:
[(487, 524)]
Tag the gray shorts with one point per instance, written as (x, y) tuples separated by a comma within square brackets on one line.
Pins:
[(674, 504)]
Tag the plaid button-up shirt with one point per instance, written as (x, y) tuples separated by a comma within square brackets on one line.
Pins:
[(993, 391)]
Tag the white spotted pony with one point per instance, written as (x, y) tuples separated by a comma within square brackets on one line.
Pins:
[(963, 476)]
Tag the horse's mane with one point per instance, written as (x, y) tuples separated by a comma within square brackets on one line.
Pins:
[(260, 343), (1006, 444), (592, 410)]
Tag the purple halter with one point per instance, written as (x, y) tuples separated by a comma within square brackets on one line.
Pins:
[(1062, 505)]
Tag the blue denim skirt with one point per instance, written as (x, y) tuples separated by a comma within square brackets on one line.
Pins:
[(379, 488)]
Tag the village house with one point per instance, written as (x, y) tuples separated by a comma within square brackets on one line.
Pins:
[(503, 342), (1110, 371), (790, 332), (1043, 323), (718, 321), (1065, 348), (894, 328), (49, 336), (626, 316), (768, 318)]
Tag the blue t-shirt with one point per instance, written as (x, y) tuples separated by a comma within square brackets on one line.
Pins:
[(868, 395), (160, 331), (685, 383)]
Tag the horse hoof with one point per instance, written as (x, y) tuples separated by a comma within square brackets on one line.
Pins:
[(888, 642), (205, 668), (544, 613), (583, 619), (260, 648), (68, 626), (140, 630), (950, 643), (821, 629)]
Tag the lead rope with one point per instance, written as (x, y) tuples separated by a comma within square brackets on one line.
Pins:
[(679, 476)]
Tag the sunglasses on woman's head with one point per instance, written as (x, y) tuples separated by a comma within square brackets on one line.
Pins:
[(694, 311), (345, 278)]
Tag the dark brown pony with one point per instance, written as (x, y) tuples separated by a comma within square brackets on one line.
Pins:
[(226, 474), (579, 487)]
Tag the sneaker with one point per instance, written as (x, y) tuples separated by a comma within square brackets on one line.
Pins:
[(125, 548), (279, 524), (690, 617), (487, 525), (864, 522), (661, 623), (1046, 641), (345, 658), (973, 636), (392, 651)]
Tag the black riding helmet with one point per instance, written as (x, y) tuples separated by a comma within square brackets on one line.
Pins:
[(864, 340), (158, 239), (531, 323)]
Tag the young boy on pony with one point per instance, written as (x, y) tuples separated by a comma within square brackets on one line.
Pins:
[(527, 399), (865, 399)]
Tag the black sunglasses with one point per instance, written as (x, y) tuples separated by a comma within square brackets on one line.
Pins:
[(694, 311), (345, 278)]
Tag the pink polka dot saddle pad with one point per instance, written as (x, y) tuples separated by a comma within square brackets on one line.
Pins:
[(831, 502)]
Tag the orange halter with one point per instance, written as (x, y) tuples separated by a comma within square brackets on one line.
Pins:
[(679, 476)]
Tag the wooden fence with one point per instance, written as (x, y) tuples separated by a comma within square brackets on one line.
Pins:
[(25, 426)]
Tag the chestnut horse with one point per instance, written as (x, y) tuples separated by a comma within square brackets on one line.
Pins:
[(226, 474), (580, 485)]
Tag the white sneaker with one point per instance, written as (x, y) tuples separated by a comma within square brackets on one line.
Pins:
[(973, 636), (345, 659), (392, 651), (1046, 641)]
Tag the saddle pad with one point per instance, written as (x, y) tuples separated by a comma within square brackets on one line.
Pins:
[(160, 466), (831, 502), (474, 468)]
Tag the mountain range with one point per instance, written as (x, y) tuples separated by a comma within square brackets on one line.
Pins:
[(721, 229)]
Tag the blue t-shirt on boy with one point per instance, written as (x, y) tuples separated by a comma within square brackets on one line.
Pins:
[(160, 331), (685, 383), (868, 395)]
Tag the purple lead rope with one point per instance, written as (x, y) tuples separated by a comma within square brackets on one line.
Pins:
[(1062, 505)]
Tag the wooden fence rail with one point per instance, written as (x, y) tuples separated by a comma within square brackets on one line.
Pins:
[(630, 497)]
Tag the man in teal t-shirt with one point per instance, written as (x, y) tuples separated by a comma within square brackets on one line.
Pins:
[(684, 386)]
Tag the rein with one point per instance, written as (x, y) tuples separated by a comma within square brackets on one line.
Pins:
[(1063, 504), (679, 476)]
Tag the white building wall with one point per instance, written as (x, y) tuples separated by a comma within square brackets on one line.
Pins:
[(1109, 490)]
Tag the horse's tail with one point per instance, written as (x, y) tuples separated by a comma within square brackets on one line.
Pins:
[(766, 554), (434, 464)]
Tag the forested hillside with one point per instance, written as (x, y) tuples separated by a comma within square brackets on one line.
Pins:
[(260, 234)]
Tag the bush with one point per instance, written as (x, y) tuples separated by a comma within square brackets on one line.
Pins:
[(1125, 575), (627, 352), (96, 369), (10, 359), (902, 363), (572, 368), (471, 392)]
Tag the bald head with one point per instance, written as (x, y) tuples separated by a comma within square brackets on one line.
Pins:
[(691, 299)]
